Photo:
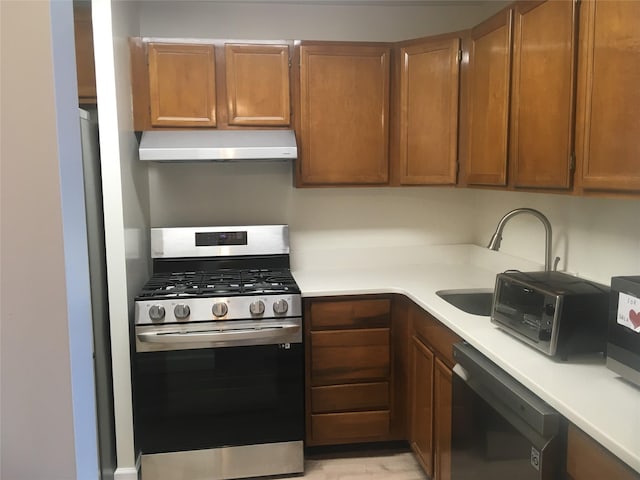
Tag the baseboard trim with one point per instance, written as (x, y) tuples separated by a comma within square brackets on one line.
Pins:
[(129, 473)]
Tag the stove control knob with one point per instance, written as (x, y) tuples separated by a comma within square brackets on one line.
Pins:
[(257, 307), (156, 312), (181, 311), (280, 307), (219, 309)]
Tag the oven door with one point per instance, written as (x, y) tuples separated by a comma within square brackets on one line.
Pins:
[(500, 430), (250, 391)]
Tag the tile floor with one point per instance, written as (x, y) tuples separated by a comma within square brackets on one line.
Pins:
[(363, 465)]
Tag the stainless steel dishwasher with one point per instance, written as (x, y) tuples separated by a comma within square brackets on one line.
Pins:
[(500, 429)]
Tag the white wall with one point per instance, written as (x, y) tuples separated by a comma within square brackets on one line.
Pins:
[(594, 237), (37, 437), (254, 193), (126, 207), (311, 20)]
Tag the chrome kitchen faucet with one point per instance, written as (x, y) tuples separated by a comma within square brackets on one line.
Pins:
[(496, 239)]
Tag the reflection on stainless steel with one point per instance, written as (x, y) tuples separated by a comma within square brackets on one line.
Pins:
[(496, 239), (226, 462)]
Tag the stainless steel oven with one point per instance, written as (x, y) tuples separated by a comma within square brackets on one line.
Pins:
[(500, 429), (219, 358)]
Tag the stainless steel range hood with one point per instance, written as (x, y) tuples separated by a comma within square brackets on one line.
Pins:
[(217, 145)]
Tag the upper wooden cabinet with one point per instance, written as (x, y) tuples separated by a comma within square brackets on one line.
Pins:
[(85, 62), (257, 84), (542, 96), (344, 114), (429, 112), (210, 84), (182, 85), (521, 97), (608, 119), (488, 100)]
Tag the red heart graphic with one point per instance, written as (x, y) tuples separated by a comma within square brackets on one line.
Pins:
[(635, 318)]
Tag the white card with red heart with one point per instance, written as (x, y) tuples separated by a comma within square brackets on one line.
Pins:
[(629, 311)]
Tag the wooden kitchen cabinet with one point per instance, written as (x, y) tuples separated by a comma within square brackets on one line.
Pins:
[(210, 84), (422, 404), (349, 380), (442, 412), (344, 114), (182, 85), (428, 110), (490, 53), (608, 123), (431, 394), (257, 84), (542, 94), (85, 61), (588, 460)]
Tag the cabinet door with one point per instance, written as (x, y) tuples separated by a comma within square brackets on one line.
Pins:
[(85, 63), (541, 136), (608, 122), (257, 84), (182, 85), (429, 112), (488, 104), (422, 405), (442, 394), (344, 95), (588, 460)]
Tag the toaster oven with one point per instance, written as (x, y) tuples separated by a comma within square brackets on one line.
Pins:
[(556, 313)]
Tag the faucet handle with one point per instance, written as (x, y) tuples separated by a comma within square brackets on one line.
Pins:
[(555, 263)]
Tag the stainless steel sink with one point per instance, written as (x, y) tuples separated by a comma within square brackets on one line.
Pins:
[(477, 301)]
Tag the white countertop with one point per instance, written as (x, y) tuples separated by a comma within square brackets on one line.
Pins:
[(582, 389)]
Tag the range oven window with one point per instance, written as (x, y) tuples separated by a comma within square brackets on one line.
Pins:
[(205, 398)]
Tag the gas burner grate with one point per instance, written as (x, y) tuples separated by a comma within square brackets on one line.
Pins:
[(225, 282)]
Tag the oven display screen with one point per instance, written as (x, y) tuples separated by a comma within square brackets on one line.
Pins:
[(213, 239)]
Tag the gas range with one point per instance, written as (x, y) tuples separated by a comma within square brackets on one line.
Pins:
[(218, 367)]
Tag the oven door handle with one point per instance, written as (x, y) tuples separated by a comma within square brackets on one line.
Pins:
[(218, 336)]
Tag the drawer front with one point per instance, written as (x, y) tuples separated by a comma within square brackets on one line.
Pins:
[(331, 428), (349, 356), (341, 398), (350, 314), (436, 335)]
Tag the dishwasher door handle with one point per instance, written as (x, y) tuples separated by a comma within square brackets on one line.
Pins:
[(461, 372)]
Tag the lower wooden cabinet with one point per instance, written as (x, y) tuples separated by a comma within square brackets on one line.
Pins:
[(349, 370), (430, 393), (588, 460), (422, 404), (442, 410)]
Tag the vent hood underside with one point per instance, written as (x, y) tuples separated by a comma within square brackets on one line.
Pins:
[(217, 145)]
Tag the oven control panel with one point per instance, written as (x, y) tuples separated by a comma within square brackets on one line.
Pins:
[(177, 310)]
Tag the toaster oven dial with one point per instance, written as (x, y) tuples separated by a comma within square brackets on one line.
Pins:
[(280, 307), (156, 312), (219, 309), (181, 311), (257, 307)]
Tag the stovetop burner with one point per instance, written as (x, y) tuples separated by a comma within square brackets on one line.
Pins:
[(224, 282)]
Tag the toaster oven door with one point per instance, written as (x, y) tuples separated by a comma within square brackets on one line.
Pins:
[(527, 313)]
